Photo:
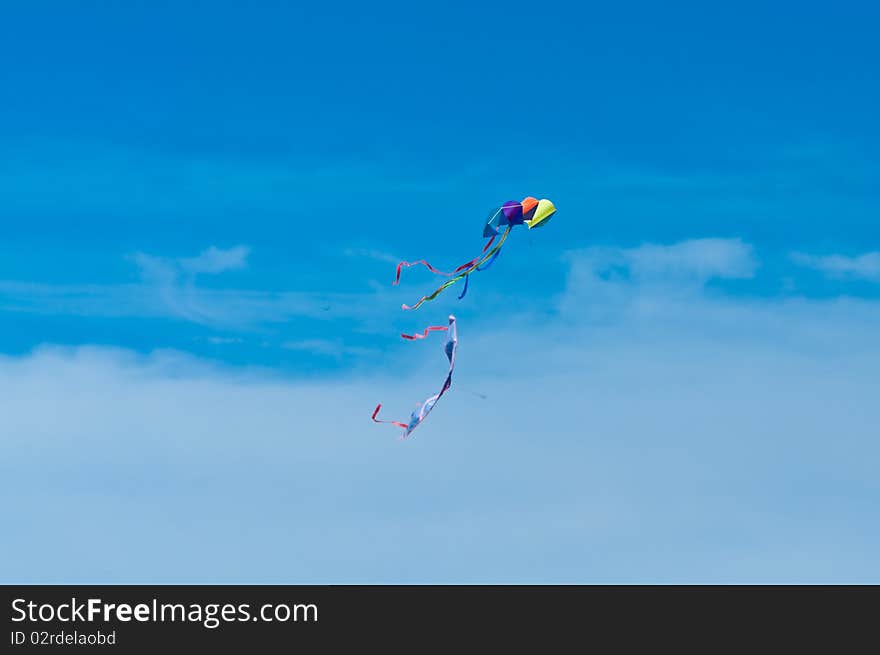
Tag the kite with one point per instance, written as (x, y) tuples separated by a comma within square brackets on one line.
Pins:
[(423, 409), (531, 212)]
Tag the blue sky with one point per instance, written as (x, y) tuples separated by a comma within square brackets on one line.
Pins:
[(201, 207)]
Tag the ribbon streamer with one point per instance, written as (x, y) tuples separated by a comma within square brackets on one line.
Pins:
[(488, 256), (424, 263), (431, 328), (423, 409)]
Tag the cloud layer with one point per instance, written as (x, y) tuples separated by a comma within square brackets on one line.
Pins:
[(658, 431)]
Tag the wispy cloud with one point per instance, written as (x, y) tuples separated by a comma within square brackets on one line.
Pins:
[(602, 279), (174, 281), (216, 260), (111, 301), (211, 261), (697, 259), (170, 288), (229, 308), (865, 266), (335, 348), (371, 253), (224, 341)]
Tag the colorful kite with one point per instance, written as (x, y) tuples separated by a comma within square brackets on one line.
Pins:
[(531, 212), (423, 409)]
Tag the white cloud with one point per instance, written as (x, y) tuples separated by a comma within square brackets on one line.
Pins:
[(216, 260), (173, 282), (211, 261), (696, 259), (607, 283), (865, 266), (699, 258)]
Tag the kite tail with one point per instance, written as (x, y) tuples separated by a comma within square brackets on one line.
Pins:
[(378, 420), (436, 292), (432, 328), (423, 409), (483, 267), (473, 266), (475, 259), (424, 263), (479, 267), (464, 291)]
